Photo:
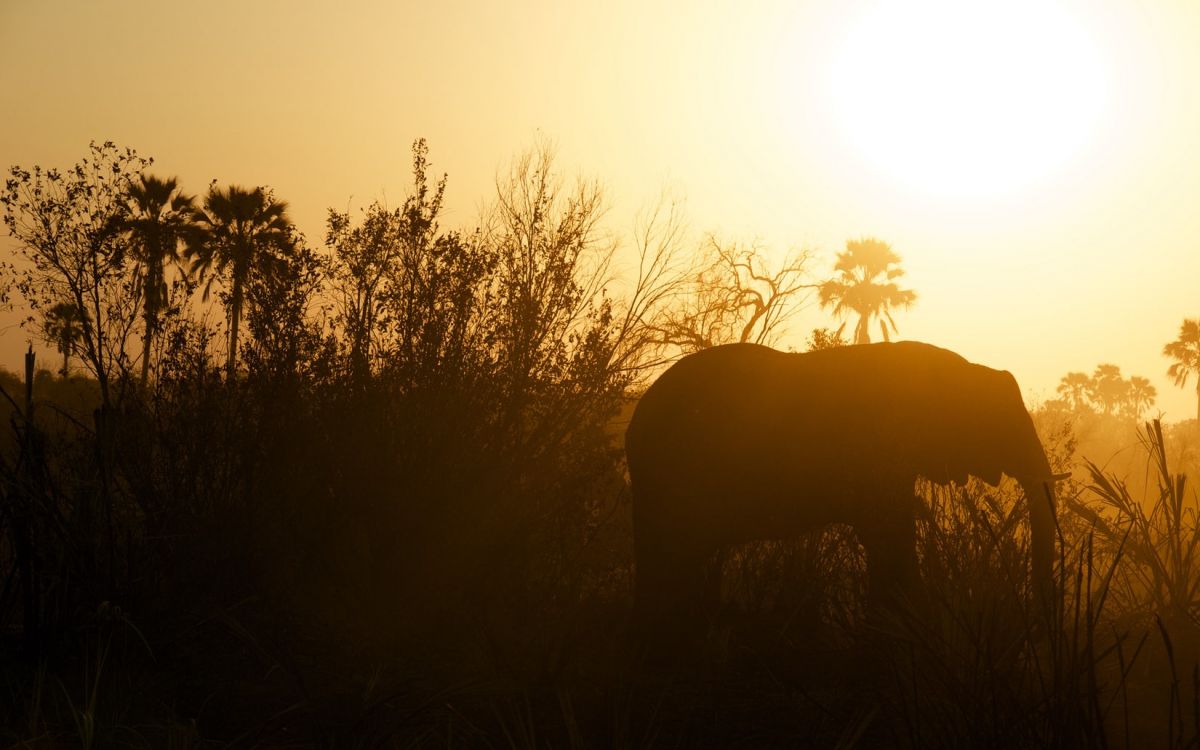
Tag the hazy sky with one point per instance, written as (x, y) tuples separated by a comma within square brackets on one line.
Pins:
[(1036, 165)]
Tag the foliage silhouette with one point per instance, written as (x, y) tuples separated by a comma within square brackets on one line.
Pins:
[(1140, 396), (1074, 387), (365, 265), (160, 224), (1107, 388), (1161, 538), (865, 284), (241, 235), (61, 325), (69, 245), (823, 338), (1106, 392), (1185, 350)]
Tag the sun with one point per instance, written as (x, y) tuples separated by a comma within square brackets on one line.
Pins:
[(968, 98)]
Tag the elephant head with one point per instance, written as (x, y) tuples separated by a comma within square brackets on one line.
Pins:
[(972, 422), (739, 443)]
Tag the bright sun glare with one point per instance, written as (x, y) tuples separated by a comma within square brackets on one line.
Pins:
[(960, 97)]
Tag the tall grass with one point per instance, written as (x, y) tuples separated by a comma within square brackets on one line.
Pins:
[(303, 648), (1157, 526), (977, 662)]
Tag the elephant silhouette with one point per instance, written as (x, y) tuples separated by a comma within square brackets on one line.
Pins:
[(740, 443)]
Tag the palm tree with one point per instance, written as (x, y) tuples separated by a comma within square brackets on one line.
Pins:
[(865, 284), (62, 326), (1107, 388), (1141, 396), (159, 223), (239, 230), (1074, 386), (1185, 350)]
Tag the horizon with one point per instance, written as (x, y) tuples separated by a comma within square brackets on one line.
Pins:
[(1049, 273)]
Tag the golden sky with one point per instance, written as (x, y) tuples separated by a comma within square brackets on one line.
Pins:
[(1037, 165)]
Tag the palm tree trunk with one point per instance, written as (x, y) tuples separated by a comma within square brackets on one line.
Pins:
[(151, 305), (1198, 400), (146, 340), (235, 315), (862, 333), (66, 360)]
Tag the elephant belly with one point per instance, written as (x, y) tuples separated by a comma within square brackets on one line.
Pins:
[(731, 504)]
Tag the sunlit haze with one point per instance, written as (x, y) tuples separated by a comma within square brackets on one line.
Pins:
[(961, 98), (510, 373), (1035, 164)]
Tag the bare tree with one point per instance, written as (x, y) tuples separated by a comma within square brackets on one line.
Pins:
[(661, 281), (735, 296), (554, 265)]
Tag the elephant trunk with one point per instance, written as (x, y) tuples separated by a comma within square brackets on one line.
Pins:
[(1038, 484), (1028, 464), (1039, 492)]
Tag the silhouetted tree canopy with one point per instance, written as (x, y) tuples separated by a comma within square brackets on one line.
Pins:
[(1185, 350), (70, 249), (1106, 391), (865, 284), (242, 235), (159, 224), (61, 326)]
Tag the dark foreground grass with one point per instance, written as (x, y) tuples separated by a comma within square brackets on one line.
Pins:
[(790, 659)]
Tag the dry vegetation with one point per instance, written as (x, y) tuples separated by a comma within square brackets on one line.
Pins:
[(402, 521)]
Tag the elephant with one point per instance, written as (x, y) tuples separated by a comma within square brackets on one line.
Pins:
[(742, 442)]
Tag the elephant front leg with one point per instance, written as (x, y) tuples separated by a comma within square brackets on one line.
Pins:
[(893, 578), (669, 593)]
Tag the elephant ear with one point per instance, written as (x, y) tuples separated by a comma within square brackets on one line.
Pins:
[(1026, 456), (984, 427), (986, 411)]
